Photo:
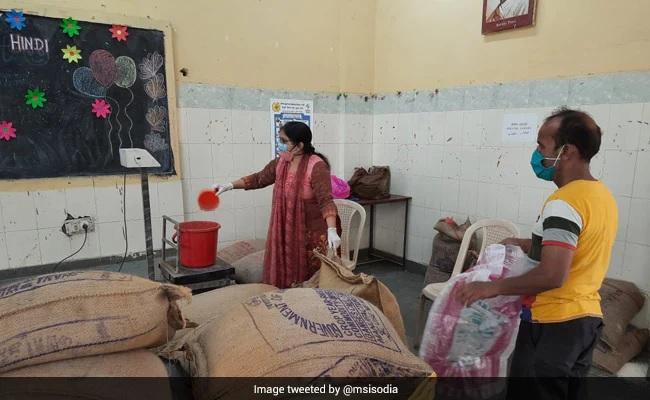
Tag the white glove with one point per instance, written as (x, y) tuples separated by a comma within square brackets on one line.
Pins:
[(222, 187), (333, 239)]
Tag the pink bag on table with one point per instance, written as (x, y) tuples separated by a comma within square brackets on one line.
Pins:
[(340, 188), (476, 341)]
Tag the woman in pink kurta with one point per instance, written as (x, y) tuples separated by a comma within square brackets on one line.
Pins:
[(303, 216)]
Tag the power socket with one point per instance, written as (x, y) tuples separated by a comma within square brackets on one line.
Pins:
[(74, 226)]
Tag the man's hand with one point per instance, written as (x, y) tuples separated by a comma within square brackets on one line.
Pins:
[(473, 291), (510, 241)]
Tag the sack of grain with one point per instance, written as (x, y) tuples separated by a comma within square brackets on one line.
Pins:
[(206, 307), (300, 333), (632, 343), (130, 364), (335, 276), (250, 269), (75, 314), (240, 249), (620, 302)]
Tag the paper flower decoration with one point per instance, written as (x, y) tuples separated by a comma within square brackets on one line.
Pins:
[(101, 108), (120, 32), (70, 26), (35, 98), (15, 19), (72, 54), (7, 132)]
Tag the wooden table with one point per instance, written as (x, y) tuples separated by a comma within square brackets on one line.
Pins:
[(372, 256)]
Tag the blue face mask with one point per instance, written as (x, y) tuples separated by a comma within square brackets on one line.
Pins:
[(542, 172), (283, 147)]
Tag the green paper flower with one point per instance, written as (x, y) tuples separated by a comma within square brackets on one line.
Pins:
[(35, 98), (70, 26)]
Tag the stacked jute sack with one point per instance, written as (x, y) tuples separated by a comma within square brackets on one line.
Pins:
[(73, 324), (247, 257), (620, 341), (256, 330)]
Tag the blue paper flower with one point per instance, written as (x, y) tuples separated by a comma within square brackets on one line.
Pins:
[(15, 19)]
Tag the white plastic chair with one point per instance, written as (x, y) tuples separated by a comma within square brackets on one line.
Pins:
[(488, 231), (346, 210)]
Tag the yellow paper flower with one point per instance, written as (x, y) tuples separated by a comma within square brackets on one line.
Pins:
[(72, 54)]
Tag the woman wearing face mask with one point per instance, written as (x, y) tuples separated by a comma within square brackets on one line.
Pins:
[(303, 214)]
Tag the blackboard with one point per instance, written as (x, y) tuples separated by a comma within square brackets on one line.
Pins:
[(65, 137)]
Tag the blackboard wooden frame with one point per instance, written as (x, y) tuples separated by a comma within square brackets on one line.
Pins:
[(52, 11)]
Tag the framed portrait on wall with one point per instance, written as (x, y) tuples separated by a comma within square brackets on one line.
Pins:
[(501, 15)]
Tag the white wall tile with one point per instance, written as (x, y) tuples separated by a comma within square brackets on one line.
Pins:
[(531, 204), (200, 161), (327, 128), (81, 201), (615, 269), (641, 179), (261, 156), (109, 203), (170, 198), (492, 127), (452, 134), (450, 191), (262, 219), (639, 222), (220, 126), (508, 203), (406, 133), (23, 248), (470, 165), (433, 193), (199, 125), (644, 135), (185, 161), (184, 125), (4, 257), (619, 171), (223, 163), (226, 218), (50, 208), (245, 223), (90, 250), (54, 245), (261, 127), (451, 164), (18, 210), (472, 134), (635, 268), (242, 126), (624, 128), (243, 156), (488, 197), (468, 197), (623, 204), (112, 238)]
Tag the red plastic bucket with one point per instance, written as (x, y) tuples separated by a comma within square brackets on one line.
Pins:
[(198, 243)]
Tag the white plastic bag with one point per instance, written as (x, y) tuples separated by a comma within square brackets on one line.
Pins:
[(476, 341)]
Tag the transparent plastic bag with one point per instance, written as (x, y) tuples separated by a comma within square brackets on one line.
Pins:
[(476, 341)]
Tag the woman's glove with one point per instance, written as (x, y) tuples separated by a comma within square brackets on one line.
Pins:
[(333, 239), (222, 187)]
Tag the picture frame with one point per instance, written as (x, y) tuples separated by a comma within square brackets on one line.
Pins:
[(501, 15)]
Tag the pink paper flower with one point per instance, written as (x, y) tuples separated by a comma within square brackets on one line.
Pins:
[(101, 108), (7, 131), (120, 32)]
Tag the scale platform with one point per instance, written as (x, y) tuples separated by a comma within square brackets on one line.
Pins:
[(219, 275)]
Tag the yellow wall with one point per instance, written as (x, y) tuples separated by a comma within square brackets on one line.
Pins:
[(426, 44), (280, 44)]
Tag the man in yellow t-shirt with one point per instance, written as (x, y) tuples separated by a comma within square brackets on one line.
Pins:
[(572, 243)]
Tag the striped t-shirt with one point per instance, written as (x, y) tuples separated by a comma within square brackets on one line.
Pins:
[(581, 216)]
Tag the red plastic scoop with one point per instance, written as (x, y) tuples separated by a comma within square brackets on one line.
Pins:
[(208, 200)]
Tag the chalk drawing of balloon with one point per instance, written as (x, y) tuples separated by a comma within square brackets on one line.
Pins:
[(102, 63), (126, 73), (84, 82)]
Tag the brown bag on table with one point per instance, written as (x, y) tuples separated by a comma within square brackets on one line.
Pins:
[(373, 184)]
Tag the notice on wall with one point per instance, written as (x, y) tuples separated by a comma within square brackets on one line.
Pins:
[(520, 128), (283, 111)]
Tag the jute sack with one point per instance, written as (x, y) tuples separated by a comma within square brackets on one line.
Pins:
[(131, 364), (335, 276), (206, 307), (250, 269), (300, 333), (630, 346), (620, 302), (240, 249), (128, 364), (75, 314)]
